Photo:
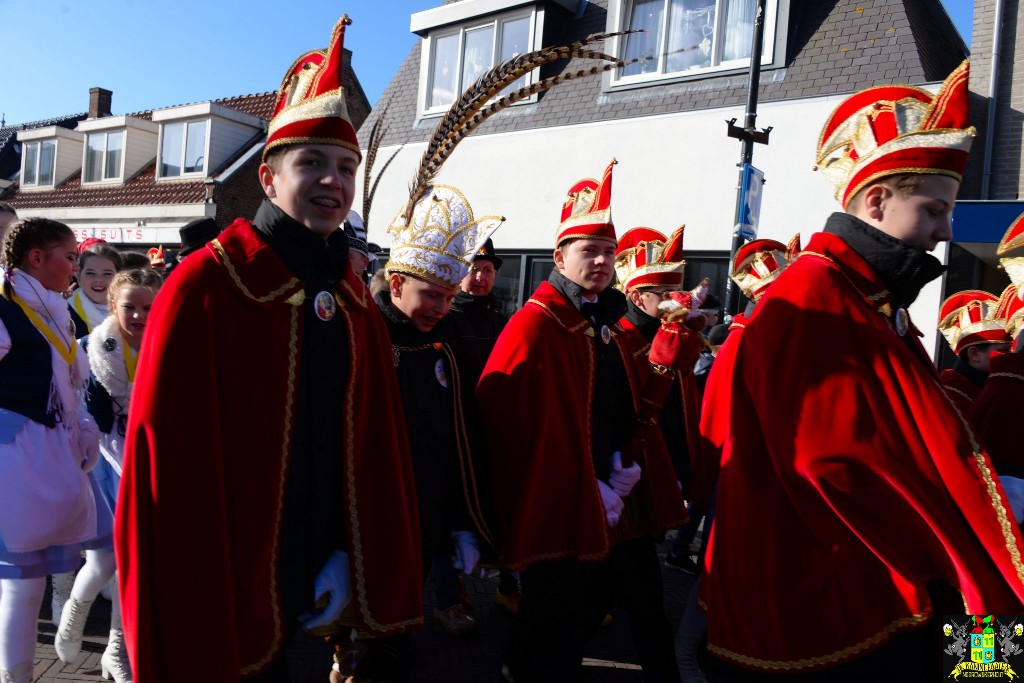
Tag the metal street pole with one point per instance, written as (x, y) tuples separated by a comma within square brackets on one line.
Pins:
[(748, 135)]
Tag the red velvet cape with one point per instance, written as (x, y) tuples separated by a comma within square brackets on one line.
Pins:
[(848, 480), (997, 412), (535, 397), (206, 462), (960, 390)]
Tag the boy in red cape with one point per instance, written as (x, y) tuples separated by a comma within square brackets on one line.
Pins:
[(252, 485), (969, 323), (850, 489), (561, 409)]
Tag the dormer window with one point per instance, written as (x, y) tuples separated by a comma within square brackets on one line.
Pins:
[(39, 160), (104, 156), (690, 37), (460, 55), (183, 149)]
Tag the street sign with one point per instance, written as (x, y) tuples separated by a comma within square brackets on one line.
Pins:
[(750, 212)]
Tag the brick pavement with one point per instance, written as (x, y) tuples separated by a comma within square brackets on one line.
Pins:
[(440, 658)]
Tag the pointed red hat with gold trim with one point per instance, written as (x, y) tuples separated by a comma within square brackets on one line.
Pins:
[(1011, 310), (646, 258), (1012, 241), (759, 262), (896, 129), (310, 107), (587, 210), (969, 318)]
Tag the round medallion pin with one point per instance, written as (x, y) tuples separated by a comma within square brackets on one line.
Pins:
[(902, 321), (606, 334), (324, 306)]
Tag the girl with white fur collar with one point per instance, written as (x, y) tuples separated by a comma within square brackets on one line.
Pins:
[(113, 348)]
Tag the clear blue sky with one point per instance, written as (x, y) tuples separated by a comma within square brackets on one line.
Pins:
[(160, 54)]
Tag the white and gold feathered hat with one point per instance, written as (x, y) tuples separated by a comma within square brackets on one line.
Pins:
[(441, 238)]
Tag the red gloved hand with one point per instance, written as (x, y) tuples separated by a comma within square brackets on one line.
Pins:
[(675, 346)]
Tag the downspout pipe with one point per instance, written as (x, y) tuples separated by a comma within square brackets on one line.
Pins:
[(993, 99)]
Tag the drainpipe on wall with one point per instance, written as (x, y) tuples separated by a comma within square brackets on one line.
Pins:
[(993, 98)]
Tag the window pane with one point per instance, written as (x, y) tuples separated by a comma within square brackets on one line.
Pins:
[(479, 54), (31, 152), (739, 29), (94, 157), (647, 17), (46, 157), (170, 155), (195, 147), (444, 77), (115, 143), (540, 268), (506, 284), (691, 35), (515, 36)]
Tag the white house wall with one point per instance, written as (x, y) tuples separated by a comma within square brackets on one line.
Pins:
[(226, 138), (673, 169), (139, 151), (68, 159)]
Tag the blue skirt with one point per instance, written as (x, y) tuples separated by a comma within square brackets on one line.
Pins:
[(58, 559)]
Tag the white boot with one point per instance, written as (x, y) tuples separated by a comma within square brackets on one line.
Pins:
[(22, 673), (62, 584), (114, 662), (68, 641)]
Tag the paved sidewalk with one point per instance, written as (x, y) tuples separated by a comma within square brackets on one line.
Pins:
[(610, 657)]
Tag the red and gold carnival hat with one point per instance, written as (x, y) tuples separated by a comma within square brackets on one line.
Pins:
[(1011, 310), (895, 129), (587, 211), (969, 318), (645, 258), (759, 262), (156, 257), (1012, 241), (310, 107)]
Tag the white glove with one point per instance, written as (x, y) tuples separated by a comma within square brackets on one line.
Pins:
[(623, 479), (89, 449), (333, 580), (612, 503), (467, 551)]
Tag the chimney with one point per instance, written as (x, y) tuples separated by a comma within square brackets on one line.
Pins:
[(99, 102)]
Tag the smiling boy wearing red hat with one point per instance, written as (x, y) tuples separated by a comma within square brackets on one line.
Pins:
[(250, 489)]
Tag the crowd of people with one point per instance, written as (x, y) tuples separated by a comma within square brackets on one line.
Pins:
[(264, 439)]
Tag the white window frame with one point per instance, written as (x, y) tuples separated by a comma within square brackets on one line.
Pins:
[(38, 145), (105, 175), (184, 144), (536, 21), (773, 46)]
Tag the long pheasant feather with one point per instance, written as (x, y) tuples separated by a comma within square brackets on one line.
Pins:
[(466, 111)]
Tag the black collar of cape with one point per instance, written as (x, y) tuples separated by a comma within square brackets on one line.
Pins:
[(646, 324), (977, 377), (904, 269), (320, 263), (611, 303)]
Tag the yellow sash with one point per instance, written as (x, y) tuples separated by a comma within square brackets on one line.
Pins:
[(130, 360), (80, 310), (66, 352)]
